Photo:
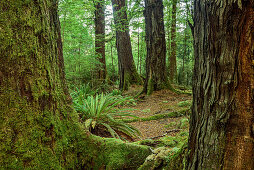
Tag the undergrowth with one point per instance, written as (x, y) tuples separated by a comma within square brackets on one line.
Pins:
[(103, 110)]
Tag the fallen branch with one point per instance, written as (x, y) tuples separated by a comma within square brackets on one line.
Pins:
[(167, 132)]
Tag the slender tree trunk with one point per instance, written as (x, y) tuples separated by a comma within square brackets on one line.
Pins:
[(168, 49), (222, 119), (185, 45), (140, 58), (64, 23), (112, 58), (172, 64), (156, 78), (127, 68), (138, 51), (38, 125), (100, 38)]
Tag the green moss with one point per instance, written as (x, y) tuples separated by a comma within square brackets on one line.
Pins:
[(131, 77), (177, 160), (150, 87), (148, 142), (186, 103), (39, 129), (159, 116), (171, 125), (166, 158)]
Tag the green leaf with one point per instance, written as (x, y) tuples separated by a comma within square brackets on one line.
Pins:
[(93, 124), (88, 123)]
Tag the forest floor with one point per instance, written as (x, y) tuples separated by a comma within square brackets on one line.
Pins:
[(160, 102)]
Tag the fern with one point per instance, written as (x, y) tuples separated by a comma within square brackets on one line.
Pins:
[(102, 110)]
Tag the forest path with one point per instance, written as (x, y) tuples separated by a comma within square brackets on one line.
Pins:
[(160, 102)]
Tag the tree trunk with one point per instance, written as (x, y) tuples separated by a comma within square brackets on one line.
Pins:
[(138, 51), (185, 45), (127, 69), (38, 126), (100, 38), (172, 63), (222, 119), (156, 78)]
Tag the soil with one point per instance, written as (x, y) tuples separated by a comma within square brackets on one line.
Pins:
[(159, 102)]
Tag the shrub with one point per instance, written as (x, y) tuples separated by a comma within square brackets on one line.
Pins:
[(102, 110), (82, 92)]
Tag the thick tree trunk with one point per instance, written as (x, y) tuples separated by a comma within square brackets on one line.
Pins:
[(156, 78), (100, 38), (38, 126), (222, 119), (172, 63), (127, 69)]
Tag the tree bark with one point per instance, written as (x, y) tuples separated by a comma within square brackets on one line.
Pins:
[(38, 125), (172, 63), (100, 38), (127, 70), (126, 65), (222, 119), (156, 78), (138, 50)]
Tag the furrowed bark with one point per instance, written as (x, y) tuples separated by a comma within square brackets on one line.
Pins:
[(172, 63), (222, 119), (100, 38), (156, 78), (127, 70)]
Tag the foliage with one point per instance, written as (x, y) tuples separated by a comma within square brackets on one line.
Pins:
[(102, 110), (186, 103), (83, 92), (78, 41), (116, 92)]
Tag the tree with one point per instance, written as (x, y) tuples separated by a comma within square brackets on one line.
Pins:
[(172, 63), (78, 42), (221, 125), (39, 127), (156, 78), (100, 38), (126, 65)]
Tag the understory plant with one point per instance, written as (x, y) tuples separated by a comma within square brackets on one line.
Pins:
[(103, 110), (83, 92)]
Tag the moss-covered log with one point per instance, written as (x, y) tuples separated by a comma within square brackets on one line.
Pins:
[(165, 158), (38, 127)]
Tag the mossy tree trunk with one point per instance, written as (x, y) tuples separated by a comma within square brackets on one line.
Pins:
[(172, 63), (38, 126), (100, 38), (127, 70), (222, 119), (156, 78)]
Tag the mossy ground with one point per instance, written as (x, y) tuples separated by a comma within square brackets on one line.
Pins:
[(164, 124)]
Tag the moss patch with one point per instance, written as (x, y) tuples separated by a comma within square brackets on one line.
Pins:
[(159, 116)]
